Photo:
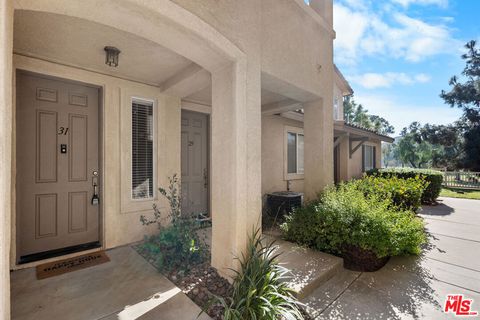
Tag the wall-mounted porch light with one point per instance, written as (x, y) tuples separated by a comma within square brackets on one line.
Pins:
[(111, 56)]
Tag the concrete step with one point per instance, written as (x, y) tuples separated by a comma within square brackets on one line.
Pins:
[(323, 296), (309, 268)]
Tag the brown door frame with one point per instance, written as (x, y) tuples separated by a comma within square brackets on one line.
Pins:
[(15, 255)]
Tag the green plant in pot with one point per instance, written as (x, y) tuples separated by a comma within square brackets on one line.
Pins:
[(364, 229)]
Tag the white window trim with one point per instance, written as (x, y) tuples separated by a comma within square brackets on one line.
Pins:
[(154, 151), (127, 203), (291, 176)]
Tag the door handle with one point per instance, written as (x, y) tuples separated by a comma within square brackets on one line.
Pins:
[(95, 197), (205, 178)]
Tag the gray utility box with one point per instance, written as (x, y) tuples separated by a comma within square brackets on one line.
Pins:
[(281, 203)]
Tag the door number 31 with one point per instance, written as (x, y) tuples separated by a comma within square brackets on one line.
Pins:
[(62, 131)]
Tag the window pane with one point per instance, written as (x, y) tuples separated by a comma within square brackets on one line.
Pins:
[(300, 149), (335, 109), (142, 150), (291, 152), (368, 158)]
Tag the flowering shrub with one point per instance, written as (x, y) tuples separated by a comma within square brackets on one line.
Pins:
[(434, 179), (346, 216), (405, 194)]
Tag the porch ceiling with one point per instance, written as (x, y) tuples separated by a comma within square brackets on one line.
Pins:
[(204, 96), (80, 43)]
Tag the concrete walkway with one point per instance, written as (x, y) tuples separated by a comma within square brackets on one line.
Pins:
[(127, 287), (413, 287)]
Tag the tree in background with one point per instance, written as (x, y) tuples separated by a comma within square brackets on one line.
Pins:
[(466, 96), (437, 146), (453, 146), (450, 142), (413, 150), (356, 114)]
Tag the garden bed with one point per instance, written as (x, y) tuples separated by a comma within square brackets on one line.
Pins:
[(201, 283)]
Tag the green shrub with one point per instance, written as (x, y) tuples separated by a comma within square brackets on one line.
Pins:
[(433, 177), (258, 289), (345, 216), (405, 194), (177, 245)]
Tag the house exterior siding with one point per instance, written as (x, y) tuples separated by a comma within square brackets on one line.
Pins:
[(283, 46)]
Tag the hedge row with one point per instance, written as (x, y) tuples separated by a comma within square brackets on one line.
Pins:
[(405, 194), (432, 177)]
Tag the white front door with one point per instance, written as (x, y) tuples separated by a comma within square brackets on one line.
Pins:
[(194, 163)]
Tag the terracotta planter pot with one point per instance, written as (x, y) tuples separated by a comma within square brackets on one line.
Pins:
[(358, 259)]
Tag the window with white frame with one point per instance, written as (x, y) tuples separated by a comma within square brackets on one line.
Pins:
[(368, 155), (142, 149), (295, 151)]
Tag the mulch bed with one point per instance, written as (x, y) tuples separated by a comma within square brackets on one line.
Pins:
[(201, 283)]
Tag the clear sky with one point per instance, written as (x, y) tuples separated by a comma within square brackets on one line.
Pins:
[(399, 54)]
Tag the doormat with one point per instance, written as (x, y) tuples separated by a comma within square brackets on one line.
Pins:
[(56, 268)]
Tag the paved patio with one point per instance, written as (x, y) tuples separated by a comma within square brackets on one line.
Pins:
[(127, 287), (413, 287)]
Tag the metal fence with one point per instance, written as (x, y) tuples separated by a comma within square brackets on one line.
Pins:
[(460, 179)]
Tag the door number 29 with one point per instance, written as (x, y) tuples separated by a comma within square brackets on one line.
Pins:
[(62, 131)]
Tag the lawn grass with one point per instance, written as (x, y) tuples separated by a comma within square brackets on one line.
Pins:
[(460, 193)]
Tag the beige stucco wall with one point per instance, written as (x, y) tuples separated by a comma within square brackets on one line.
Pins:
[(297, 45), (6, 43), (273, 31), (120, 216), (273, 154)]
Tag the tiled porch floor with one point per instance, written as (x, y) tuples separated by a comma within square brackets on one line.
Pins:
[(101, 292)]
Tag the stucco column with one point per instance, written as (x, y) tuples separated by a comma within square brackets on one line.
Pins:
[(6, 43), (318, 129), (235, 161), (344, 158)]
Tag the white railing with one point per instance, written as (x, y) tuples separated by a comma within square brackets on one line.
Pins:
[(461, 179)]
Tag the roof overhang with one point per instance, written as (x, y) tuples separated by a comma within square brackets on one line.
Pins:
[(354, 131), (342, 83)]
